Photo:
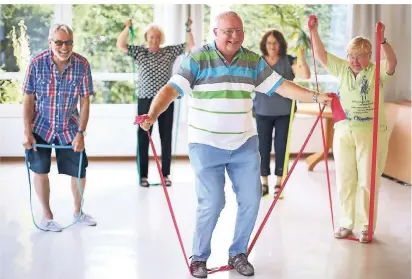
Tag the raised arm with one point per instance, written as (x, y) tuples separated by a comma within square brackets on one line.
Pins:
[(318, 47), (122, 39), (190, 42), (390, 55), (300, 67)]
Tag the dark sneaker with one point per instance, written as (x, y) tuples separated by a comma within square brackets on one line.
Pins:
[(242, 265), (198, 269), (265, 190)]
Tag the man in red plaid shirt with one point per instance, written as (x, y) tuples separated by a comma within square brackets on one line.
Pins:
[(56, 79)]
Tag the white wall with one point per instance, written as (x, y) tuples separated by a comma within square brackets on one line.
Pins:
[(111, 132)]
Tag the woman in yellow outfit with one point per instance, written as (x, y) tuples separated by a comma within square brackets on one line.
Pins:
[(352, 142)]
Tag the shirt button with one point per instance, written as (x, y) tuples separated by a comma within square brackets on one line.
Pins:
[(57, 126)]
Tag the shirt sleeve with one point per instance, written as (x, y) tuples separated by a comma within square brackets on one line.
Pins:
[(86, 89), (184, 80), (29, 84), (134, 51), (335, 65), (267, 80), (176, 50)]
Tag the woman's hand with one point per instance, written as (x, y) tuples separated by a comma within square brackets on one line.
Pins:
[(128, 22)]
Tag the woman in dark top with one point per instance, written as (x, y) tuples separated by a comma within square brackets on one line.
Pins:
[(274, 112), (154, 66)]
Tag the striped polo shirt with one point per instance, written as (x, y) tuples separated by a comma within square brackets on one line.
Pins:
[(220, 107)]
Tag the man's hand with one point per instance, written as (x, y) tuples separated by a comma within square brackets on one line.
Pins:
[(28, 141), (78, 143), (324, 99), (150, 120)]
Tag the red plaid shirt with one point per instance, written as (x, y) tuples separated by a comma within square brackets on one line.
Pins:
[(56, 97)]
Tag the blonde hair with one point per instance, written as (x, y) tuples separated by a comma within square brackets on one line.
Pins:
[(359, 45), (59, 26), (157, 28)]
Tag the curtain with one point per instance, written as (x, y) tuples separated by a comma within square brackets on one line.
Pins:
[(397, 20)]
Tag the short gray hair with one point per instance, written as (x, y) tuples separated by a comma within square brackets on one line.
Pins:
[(226, 13), (60, 26), (157, 28)]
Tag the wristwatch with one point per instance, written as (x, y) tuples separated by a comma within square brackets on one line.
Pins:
[(315, 97), (384, 41), (81, 132)]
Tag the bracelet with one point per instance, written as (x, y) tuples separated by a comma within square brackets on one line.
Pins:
[(315, 97), (188, 30)]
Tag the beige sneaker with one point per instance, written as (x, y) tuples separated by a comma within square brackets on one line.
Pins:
[(363, 238), (342, 233)]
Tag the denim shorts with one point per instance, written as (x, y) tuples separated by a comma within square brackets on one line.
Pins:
[(67, 160)]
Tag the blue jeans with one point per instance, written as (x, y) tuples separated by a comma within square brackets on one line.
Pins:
[(242, 165)]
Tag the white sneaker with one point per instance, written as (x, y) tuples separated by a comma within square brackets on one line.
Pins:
[(50, 225), (85, 219)]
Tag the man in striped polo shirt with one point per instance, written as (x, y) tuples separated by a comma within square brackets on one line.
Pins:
[(220, 78)]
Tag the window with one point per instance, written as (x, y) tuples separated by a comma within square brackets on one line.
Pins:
[(18, 44), (96, 28)]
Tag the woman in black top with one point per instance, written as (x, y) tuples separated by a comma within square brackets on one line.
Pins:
[(154, 66)]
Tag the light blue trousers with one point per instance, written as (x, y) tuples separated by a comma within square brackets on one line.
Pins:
[(243, 166)]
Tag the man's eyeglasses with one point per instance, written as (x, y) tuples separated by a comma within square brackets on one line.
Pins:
[(60, 42), (230, 31)]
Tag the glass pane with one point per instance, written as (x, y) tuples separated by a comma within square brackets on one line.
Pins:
[(206, 23), (23, 33), (113, 92), (292, 20), (96, 28)]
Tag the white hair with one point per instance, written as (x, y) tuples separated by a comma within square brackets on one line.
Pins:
[(157, 28), (59, 26), (225, 13)]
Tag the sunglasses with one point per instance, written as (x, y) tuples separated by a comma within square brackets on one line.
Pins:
[(60, 42)]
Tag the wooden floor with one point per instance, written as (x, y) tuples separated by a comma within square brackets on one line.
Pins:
[(135, 237)]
